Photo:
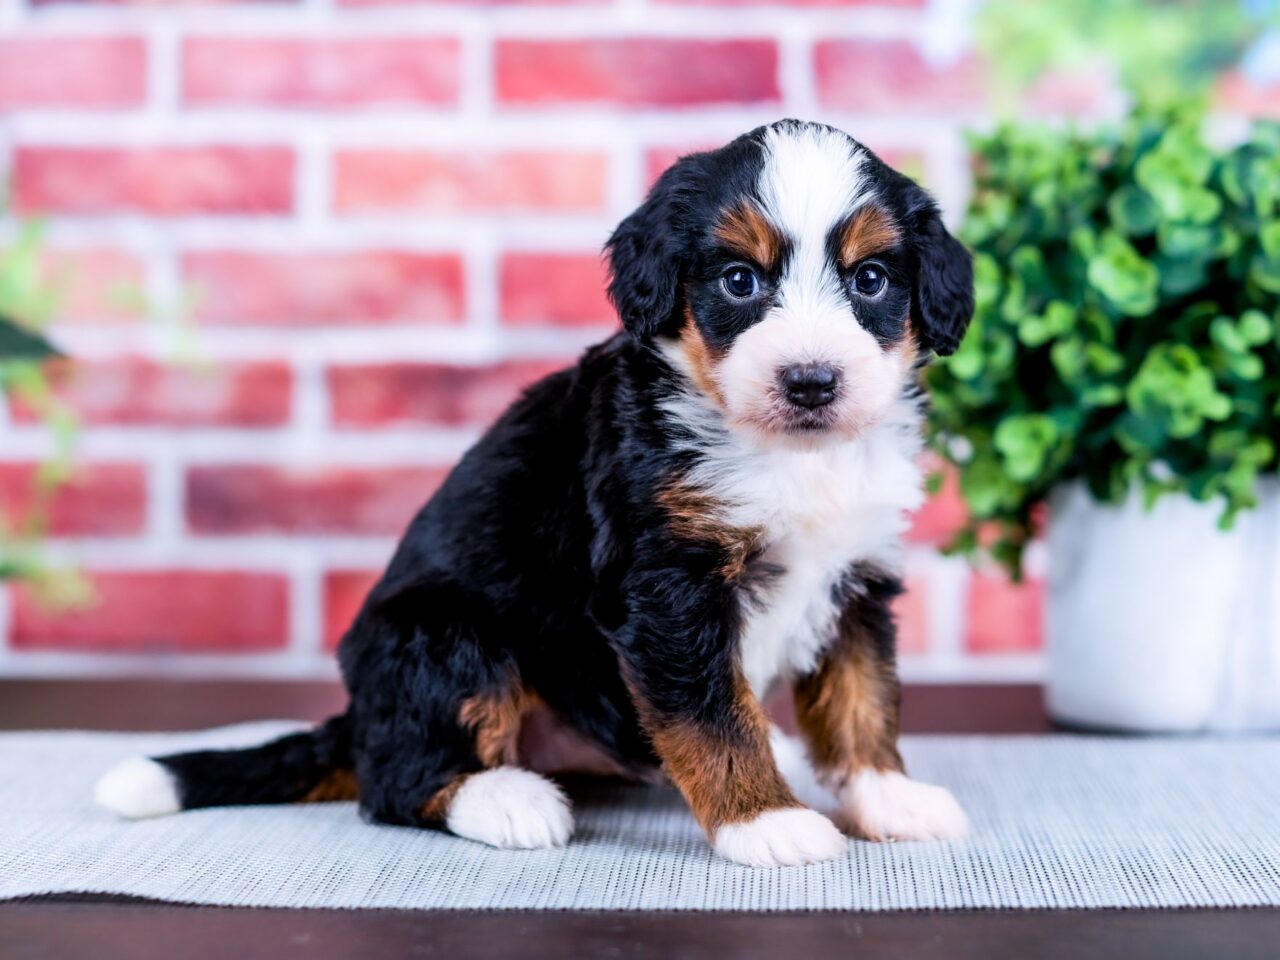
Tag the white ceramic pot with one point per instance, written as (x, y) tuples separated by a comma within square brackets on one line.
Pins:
[(1160, 621)]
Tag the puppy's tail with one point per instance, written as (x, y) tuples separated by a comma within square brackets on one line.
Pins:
[(312, 766)]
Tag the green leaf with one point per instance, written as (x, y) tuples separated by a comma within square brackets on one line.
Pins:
[(1176, 390), (1269, 237), (1120, 274), (1102, 395), (1038, 329), (18, 343), (1181, 275), (1133, 211), (1025, 442), (1265, 272), (1255, 327)]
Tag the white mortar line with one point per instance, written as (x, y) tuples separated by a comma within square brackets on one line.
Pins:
[(268, 665), (306, 608), (263, 553), (164, 70), (976, 668), (165, 500), (537, 22), (283, 448)]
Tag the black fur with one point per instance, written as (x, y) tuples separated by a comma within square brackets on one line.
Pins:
[(943, 304), (546, 556)]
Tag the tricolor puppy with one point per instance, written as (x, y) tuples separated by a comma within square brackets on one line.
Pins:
[(709, 503)]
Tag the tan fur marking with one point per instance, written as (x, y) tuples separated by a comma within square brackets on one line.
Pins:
[(436, 809), (909, 347), (694, 517), (495, 717), (869, 231), (338, 785), (746, 230), (731, 779), (848, 711), (702, 359)]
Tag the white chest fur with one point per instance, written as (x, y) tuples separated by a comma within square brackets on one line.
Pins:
[(820, 511)]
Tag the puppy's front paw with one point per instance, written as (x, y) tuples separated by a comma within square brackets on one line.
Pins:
[(511, 808), (781, 838), (889, 806)]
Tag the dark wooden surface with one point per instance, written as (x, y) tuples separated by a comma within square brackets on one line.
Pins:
[(62, 930), (106, 928), (193, 705)]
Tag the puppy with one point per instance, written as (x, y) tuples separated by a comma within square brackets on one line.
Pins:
[(709, 503)]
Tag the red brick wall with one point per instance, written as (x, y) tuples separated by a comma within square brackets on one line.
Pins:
[(387, 214)]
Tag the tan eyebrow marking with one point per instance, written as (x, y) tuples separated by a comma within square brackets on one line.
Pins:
[(745, 229), (868, 231)]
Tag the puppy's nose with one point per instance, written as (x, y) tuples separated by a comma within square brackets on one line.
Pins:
[(810, 385)]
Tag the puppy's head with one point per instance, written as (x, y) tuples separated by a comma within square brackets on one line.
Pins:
[(794, 278)]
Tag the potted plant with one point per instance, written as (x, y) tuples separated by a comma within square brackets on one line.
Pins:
[(1123, 368)]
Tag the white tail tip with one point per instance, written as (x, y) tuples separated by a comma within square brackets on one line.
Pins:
[(137, 788)]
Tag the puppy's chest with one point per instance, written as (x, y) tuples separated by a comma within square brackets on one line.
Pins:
[(815, 516)]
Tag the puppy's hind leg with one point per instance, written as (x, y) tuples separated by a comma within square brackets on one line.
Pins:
[(436, 745)]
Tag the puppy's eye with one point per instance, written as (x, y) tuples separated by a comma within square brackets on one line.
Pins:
[(870, 278), (741, 283)]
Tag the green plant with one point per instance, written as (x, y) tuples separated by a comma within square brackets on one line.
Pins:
[(1160, 50), (28, 299), (1127, 284)]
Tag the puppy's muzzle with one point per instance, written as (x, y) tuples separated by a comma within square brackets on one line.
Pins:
[(810, 385)]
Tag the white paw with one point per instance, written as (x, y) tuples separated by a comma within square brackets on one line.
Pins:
[(781, 838), (137, 788), (889, 806), (511, 808)]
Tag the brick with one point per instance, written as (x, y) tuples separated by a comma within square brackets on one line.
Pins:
[(344, 593), (554, 290), (657, 159), (240, 499), (102, 499), (320, 73), (910, 4), (94, 285), (83, 73), (885, 76), (636, 72), (1005, 617), (381, 395), (303, 289), (1070, 92), (168, 611), (133, 391), (165, 3), (474, 4), (1235, 92), (942, 516), (417, 182), (160, 181)]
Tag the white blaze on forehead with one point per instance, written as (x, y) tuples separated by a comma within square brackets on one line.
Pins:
[(811, 181)]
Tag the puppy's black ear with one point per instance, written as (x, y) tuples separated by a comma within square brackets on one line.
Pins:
[(645, 257), (943, 302)]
